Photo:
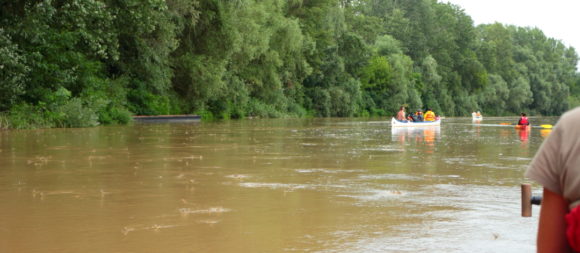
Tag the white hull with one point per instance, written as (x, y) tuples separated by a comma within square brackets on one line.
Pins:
[(478, 118), (396, 123)]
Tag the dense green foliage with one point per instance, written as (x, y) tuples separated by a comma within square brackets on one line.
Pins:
[(71, 63)]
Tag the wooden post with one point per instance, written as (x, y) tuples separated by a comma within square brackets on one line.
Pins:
[(526, 200)]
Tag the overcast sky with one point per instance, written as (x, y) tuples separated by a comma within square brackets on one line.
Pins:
[(558, 19)]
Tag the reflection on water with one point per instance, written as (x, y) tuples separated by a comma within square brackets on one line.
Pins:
[(312, 185), (524, 134), (424, 134), (545, 132), (506, 133)]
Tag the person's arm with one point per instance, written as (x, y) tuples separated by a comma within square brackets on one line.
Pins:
[(552, 227)]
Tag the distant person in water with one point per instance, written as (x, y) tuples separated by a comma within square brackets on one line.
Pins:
[(429, 115), (401, 114), (523, 120)]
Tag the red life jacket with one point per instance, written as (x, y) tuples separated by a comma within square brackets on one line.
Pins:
[(524, 121)]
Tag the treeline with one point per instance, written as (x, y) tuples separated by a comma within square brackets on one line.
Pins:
[(70, 63)]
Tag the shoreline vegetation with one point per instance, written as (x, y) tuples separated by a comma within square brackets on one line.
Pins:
[(83, 63)]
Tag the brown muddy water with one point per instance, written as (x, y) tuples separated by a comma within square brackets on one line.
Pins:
[(312, 185)]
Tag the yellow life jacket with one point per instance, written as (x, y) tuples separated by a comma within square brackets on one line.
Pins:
[(429, 116)]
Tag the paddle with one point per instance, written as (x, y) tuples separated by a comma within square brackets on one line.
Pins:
[(546, 126)]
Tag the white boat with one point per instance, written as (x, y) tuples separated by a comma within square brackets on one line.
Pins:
[(477, 117), (396, 123)]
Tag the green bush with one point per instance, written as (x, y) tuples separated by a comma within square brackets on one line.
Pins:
[(205, 115), (114, 115), (75, 114), (25, 116), (341, 104), (377, 112), (144, 102), (4, 122), (574, 101), (237, 112), (295, 110), (321, 102), (260, 109), (364, 114)]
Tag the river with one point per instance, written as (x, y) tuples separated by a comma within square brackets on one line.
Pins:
[(283, 185)]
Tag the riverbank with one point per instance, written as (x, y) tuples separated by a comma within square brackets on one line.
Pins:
[(3, 122), (167, 118)]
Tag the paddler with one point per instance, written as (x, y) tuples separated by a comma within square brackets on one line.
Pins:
[(429, 115), (523, 120), (401, 114)]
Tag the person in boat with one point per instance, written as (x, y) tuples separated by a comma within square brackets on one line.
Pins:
[(401, 114), (473, 114), (429, 115), (419, 115), (411, 117), (555, 167), (523, 120), (478, 114)]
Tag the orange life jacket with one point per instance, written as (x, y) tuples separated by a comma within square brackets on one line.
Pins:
[(429, 116)]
